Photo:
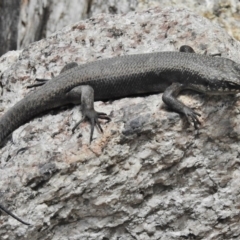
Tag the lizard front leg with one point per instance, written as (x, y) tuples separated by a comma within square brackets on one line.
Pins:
[(169, 97), (84, 95)]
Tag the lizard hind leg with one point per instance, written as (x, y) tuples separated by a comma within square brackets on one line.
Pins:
[(42, 81), (169, 97), (84, 95)]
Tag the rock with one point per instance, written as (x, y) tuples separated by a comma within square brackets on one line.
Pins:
[(226, 13), (150, 175), (37, 19)]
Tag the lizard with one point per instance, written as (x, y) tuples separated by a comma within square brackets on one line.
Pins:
[(129, 75), (123, 76)]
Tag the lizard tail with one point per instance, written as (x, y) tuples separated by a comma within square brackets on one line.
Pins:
[(22, 112)]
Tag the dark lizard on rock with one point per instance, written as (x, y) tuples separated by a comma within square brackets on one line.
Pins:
[(118, 77)]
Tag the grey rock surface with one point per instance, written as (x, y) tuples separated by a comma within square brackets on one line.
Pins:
[(23, 22), (150, 175), (41, 18), (224, 12)]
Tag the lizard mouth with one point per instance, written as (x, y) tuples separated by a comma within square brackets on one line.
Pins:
[(226, 88)]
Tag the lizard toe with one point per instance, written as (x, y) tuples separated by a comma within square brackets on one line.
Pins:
[(192, 116), (93, 117)]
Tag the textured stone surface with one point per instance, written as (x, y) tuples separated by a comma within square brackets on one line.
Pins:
[(150, 175), (40, 18), (224, 12)]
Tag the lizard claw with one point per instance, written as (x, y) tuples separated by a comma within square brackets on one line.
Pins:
[(192, 116), (93, 117)]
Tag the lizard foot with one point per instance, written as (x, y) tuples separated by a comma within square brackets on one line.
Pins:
[(93, 117), (192, 116)]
